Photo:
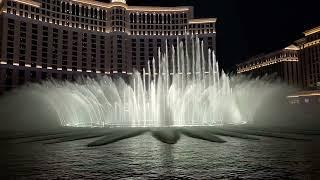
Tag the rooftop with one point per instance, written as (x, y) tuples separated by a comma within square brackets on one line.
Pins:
[(312, 31), (207, 20), (119, 1), (123, 4), (292, 47)]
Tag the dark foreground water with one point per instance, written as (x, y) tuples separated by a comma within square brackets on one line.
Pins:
[(143, 157)]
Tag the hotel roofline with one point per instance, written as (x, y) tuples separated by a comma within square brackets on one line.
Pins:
[(116, 4), (29, 2), (300, 42), (266, 55), (202, 20), (133, 8), (312, 31)]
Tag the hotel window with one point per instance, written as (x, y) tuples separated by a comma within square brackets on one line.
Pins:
[(44, 75), (158, 43), (131, 18), (54, 75), (77, 10), (33, 75), (9, 73)]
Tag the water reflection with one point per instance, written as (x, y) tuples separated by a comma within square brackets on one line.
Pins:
[(167, 159)]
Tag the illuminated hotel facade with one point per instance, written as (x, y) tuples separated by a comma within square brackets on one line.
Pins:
[(284, 62), (297, 64), (309, 56), (309, 59), (64, 39)]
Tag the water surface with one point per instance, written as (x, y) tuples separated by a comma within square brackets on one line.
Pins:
[(143, 157)]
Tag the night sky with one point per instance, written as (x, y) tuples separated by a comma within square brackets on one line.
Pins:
[(250, 27)]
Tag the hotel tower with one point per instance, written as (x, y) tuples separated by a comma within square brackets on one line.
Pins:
[(64, 39)]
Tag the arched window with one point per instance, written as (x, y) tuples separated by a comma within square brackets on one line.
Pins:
[(63, 7), (77, 10), (131, 18), (104, 15), (144, 18), (157, 18), (91, 12), (87, 12), (135, 17), (68, 8), (140, 18), (73, 10), (95, 13), (82, 10), (152, 18), (148, 18), (100, 14)]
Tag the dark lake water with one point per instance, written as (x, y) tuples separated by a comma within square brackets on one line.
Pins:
[(143, 157)]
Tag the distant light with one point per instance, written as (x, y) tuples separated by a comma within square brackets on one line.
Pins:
[(119, 1)]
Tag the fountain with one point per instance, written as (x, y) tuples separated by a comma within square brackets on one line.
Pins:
[(184, 87), (184, 90), (181, 90)]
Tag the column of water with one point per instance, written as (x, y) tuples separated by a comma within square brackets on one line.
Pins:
[(203, 70), (178, 62)]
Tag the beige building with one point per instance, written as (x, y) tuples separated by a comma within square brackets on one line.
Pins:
[(309, 56), (284, 62), (63, 39)]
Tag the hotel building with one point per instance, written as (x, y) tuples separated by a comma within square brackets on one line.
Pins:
[(285, 63), (63, 39), (309, 56)]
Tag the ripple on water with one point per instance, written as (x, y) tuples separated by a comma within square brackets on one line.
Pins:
[(145, 158)]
